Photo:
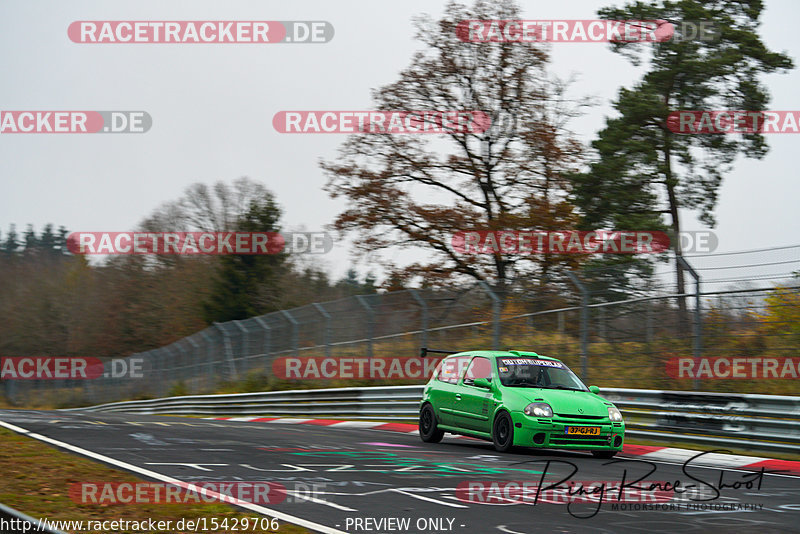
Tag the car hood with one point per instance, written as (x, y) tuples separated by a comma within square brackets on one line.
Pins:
[(563, 401)]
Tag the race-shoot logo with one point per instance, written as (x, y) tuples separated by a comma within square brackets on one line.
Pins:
[(381, 122), (200, 31), (31, 122)]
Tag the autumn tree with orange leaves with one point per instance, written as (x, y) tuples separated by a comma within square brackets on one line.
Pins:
[(407, 191)]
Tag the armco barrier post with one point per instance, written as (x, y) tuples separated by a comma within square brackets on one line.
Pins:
[(183, 361), (584, 324), (326, 336), (424, 306), (195, 353), (210, 360), (162, 370), (245, 345), (370, 322), (226, 343), (267, 336), (698, 318), (496, 304), (171, 363), (295, 331)]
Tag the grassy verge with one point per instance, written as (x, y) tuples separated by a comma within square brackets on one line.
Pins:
[(36, 480)]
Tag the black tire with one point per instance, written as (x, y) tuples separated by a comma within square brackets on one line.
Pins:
[(503, 432), (429, 430), (605, 455)]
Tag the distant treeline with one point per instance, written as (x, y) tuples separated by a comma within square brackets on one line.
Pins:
[(56, 303)]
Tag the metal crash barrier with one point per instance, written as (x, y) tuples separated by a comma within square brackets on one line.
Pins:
[(742, 421)]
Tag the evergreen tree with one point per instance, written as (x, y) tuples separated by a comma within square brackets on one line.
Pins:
[(248, 285), (643, 170), (10, 244)]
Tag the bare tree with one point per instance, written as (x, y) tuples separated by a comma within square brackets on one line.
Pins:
[(207, 209)]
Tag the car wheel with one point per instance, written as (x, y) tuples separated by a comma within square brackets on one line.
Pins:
[(604, 454), (503, 432), (429, 430)]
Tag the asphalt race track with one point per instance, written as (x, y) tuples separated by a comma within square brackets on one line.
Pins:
[(365, 480)]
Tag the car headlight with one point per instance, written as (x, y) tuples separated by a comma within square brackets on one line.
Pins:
[(538, 409), (614, 414)]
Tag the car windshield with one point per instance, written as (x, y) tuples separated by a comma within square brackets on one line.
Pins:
[(531, 372)]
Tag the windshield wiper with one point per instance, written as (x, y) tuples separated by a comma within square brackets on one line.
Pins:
[(560, 387)]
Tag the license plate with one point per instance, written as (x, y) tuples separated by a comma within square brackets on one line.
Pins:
[(582, 430)]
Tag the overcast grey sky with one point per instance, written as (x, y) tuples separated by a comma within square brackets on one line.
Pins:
[(212, 107)]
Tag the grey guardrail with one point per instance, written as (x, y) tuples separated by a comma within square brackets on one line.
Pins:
[(744, 421), (13, 521), (390, 402)]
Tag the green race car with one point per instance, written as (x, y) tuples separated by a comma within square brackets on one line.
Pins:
[(518, 398)]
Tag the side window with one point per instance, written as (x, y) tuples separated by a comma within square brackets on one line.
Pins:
[(450, 369), (480, 367), (446, 370)]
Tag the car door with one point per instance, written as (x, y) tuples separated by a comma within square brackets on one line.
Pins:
[(443, 395), (473, 404)]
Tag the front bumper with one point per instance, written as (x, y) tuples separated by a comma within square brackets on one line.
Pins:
[(541, 432)]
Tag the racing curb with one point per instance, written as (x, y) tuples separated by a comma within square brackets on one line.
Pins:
[(641, 452)]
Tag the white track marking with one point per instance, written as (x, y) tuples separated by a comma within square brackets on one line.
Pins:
[(503, 528), (164, 478), (710, 459), (320, 501), (420, 497), (355, 424), (196, 466), (286, 421)]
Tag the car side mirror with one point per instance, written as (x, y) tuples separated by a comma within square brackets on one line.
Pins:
[(482, 383), (595, 390)]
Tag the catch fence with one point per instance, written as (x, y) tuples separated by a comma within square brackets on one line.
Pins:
[(610, 329)]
